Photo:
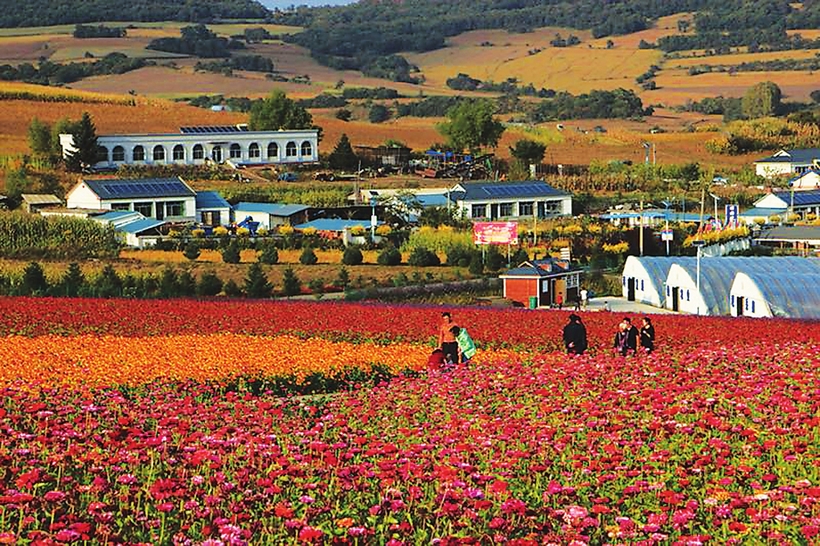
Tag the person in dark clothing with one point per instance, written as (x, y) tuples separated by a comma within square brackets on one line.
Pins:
[(621, 335), (647, 335), (575, 336), (632, 335)]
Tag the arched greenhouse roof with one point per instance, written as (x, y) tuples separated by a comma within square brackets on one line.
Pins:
[(795, 295)]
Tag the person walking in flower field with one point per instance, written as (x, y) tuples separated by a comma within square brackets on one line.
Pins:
[(446, 340), (466, 346), (575, 336)]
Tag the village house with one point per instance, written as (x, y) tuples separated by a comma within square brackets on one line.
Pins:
[(35, 202), (537, 283), (167, 199), (776, 205), (270, 215), (232, 144), (788, 162), (510, 200)]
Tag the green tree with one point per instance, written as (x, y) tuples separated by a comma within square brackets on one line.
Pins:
[(422, 257), (308, 257), (472, 125), (256, 282), (495, 259), (168, 282), (378, 113), (72, 281), (209, 284), (34, 280), (186, 284), (476, 267), (278, 112), (352, 256), (17, 182), (342, 157), (230, 255), (39, 138), (64, 126), (343, 114), (761, 100), (108, 283), (86, 148), (389, 256), (343, 278), (191, 250), (317, 286), (269, 254), (232, 289), (291, 285), (528, 151)]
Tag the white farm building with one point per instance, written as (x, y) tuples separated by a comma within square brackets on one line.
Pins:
[(202, 145), (751, 286)]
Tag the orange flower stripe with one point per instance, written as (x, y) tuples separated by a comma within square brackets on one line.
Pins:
[(114, 360)]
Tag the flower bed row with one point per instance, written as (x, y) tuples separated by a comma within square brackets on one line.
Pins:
[(717, 448)]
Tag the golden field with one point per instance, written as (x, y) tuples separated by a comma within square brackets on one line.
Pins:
[(738, 58), (676, 86)]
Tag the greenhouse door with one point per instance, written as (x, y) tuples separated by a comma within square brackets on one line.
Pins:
[(630, 289), (740, 301), (675, 299)]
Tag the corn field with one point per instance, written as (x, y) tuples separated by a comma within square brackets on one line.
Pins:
[(32, 236)]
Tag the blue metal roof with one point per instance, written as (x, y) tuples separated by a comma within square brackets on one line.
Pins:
[(801, 197), (115, 215), (656, 214), (128, 188), (482, 191), (139, 226), (786, 295), (805, 155), (801, 175), (432, 200), (211, 200), (760, 211), (274, 209), (334, 224)]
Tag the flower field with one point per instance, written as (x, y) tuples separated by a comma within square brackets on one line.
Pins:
[(233, 422)]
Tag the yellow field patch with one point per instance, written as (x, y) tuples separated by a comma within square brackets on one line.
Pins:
[(807, 33), (664, 26), (576, 69), (738, 58), (676, 86)]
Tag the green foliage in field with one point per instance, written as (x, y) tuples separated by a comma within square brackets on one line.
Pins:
[(31, 236)]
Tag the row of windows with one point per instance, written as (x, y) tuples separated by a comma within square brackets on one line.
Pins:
[(525, 208), (147, 209), (178, 153)]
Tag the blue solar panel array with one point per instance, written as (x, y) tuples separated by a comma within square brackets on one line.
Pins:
[(502, 190), (212, 130), (801, 197), (137, 188)]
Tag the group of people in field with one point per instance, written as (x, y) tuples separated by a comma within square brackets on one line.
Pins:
[(628, 338), (456, 346)]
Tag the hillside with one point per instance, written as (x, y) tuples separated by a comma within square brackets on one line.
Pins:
[(58, 12), (369, 35)]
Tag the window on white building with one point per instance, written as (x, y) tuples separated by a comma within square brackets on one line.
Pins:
[(199, 151), (159, 153), (273, 150), (179, 153), (254, 151), (175, 208), (138, 154), (120, 206), (525, 208), (102, 153), (478, 211), (146, 209), (118, 154), (290, 149), (235, 151), (505, 209), (216, 154), (307, 149)]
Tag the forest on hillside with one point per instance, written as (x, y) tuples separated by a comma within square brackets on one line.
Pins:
[(369, 35), (35, 13)]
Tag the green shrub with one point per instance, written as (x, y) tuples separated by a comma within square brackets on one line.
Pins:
[(389, 256), (421, 257), (269, 254), (308, 257), (352, 256), (191, 250), (232, 289), (231, 253), (209, 284)]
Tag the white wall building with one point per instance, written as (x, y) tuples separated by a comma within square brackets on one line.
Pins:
[(786, 162), (167, 199), (644, 278), (271, 215), (212, 209), (510, 200), (770, 294), (201, 145)]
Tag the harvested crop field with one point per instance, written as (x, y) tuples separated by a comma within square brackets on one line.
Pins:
[(739, 58), (676, 86)]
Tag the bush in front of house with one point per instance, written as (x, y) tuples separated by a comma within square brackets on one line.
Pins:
[(421, 257), (308, 257), (256, 282), (389, 256), (352, 256), (269, 254), (231, 253), (209, 284), (191, 250)]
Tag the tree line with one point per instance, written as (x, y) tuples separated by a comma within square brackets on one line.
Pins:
[(49, 73), (199, 41), (34, 13)]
